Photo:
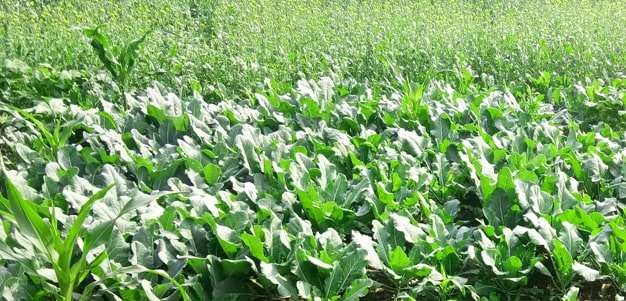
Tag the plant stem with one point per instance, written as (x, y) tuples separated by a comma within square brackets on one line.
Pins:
[(67, 295)]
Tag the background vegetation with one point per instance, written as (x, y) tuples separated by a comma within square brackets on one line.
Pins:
[(233, 45)]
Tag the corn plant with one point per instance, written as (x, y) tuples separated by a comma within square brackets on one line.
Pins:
[(58, 248), (119, 60)]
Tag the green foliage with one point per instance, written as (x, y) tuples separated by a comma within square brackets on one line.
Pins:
[(233, 45), (118, 60), (317, 150), (279, 196), (47, 239)]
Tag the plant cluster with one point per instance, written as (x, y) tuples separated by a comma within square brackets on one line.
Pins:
[(233, 45), (312, 150), (327, 191)]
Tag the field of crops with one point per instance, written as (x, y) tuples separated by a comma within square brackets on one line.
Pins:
[(312, 150)]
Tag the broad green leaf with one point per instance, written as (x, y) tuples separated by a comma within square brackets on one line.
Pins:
[(140, 199), (505, 181), (350, 267), (571, 294), (156, 113), (226, 236), (403, 224), (564, 262), (357, 290), (366, 243), (212, 173), (27, 218), (100, 234), (384, 196), (513, 264), (247, 150), (147, 288), (498, 210), (419, 270), (285, 287), (398, 260), (570, 238), (587, 273), (255, 245), (411, 142)]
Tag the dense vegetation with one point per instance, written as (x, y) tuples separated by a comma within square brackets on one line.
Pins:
[(318, 150)]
